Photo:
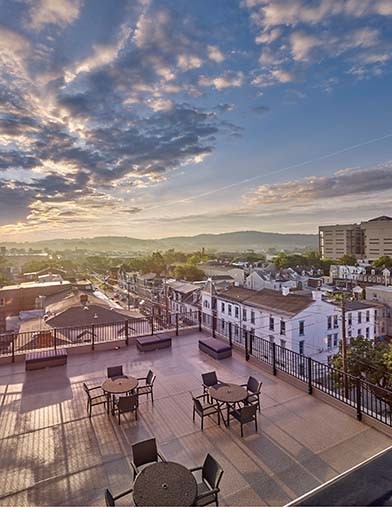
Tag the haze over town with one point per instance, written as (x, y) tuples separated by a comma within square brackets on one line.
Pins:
[(162, 118)]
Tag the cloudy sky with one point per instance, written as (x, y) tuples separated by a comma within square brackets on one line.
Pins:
[(151, 118)]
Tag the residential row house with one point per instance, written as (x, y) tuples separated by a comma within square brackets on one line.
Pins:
[(183, 297), (309, 325)]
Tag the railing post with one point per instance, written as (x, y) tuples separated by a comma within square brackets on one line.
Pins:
[(127, 332), (13, 346), (251, 344), (310, 386), (55, 339), (213, 325), (230, 335), (152, 322), (246, 346), (274, 358), (359, 399), (176, 324), (199, 317), (92, 337)]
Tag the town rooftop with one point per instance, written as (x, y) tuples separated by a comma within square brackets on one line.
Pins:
[(52, 454)]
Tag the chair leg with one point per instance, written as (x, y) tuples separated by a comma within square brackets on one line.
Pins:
[(256, 424), (202, 422), (136, 414), (152, 396), (119, 419), (242, 431), (218, 418), (193, 414)]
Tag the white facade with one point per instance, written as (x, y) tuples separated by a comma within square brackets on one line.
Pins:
[(346, 272), (315, 331), (255, 281)]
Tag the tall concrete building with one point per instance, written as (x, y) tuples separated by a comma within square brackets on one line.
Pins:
[(369, 240), (338, 240), (377, 237)]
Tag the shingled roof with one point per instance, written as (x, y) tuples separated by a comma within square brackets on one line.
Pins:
[(268, 299)]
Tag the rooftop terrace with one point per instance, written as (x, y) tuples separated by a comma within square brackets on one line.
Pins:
[(52, 454)]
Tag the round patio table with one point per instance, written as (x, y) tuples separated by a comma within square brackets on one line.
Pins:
[(228, 394), (165, 483), (118, 386)]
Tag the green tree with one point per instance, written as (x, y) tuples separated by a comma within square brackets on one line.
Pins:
[(348, 260), (251, 257), (188, 272), (371, 361), (385, 261)]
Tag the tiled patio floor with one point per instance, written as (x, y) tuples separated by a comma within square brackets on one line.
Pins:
[(52, 454)]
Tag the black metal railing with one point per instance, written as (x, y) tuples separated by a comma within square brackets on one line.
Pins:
[(364, 397)]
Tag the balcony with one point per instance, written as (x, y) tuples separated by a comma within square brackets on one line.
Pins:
[(52, 454)]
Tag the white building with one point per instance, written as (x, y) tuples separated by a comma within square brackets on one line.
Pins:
[(259, 279), (183, 297), (346, 272), (303, 324)]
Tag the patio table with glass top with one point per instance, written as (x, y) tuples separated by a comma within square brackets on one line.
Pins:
[(118, 386), (228, 394), (165, 483)]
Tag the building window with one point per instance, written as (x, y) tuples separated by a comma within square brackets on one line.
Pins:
[(223, 325), (349, 333), (367, 332), (244, 314), (359, 332), (271, 324), (236, 312), (272, 339), (329, 342), (359, 317), (335, 340), (350, 318), (283, 344), (2, 302), (252, 317), (223, 307), (367, 316), (229, 309), (335, 321), (301, 328), (301, 346), (329, 322), (236, 330), (282, 327)]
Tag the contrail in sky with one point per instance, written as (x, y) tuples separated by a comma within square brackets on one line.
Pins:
[(283, 169)]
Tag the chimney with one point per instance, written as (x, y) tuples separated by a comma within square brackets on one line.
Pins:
[(285, 291), (316, 295), (83, 299)]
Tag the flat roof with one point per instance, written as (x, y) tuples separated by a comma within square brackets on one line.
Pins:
[(30, 285)]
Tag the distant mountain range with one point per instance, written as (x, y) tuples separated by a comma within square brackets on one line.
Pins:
[(229, 241)]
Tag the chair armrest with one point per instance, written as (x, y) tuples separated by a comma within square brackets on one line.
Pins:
[(141, 378), (208, 493), (135, 470), (195, 469), (123, 494), (204, 396), (162, 457)]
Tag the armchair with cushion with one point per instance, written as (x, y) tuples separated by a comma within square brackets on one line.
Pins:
[(110, 500), (148, 386), (125, 404), (209, 379), (115, 372), (204, 408), (253, 386), (245, 415), (211, 475), (97, 398), (145, 452)]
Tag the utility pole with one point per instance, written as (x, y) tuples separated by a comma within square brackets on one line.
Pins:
[(344, 346)]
